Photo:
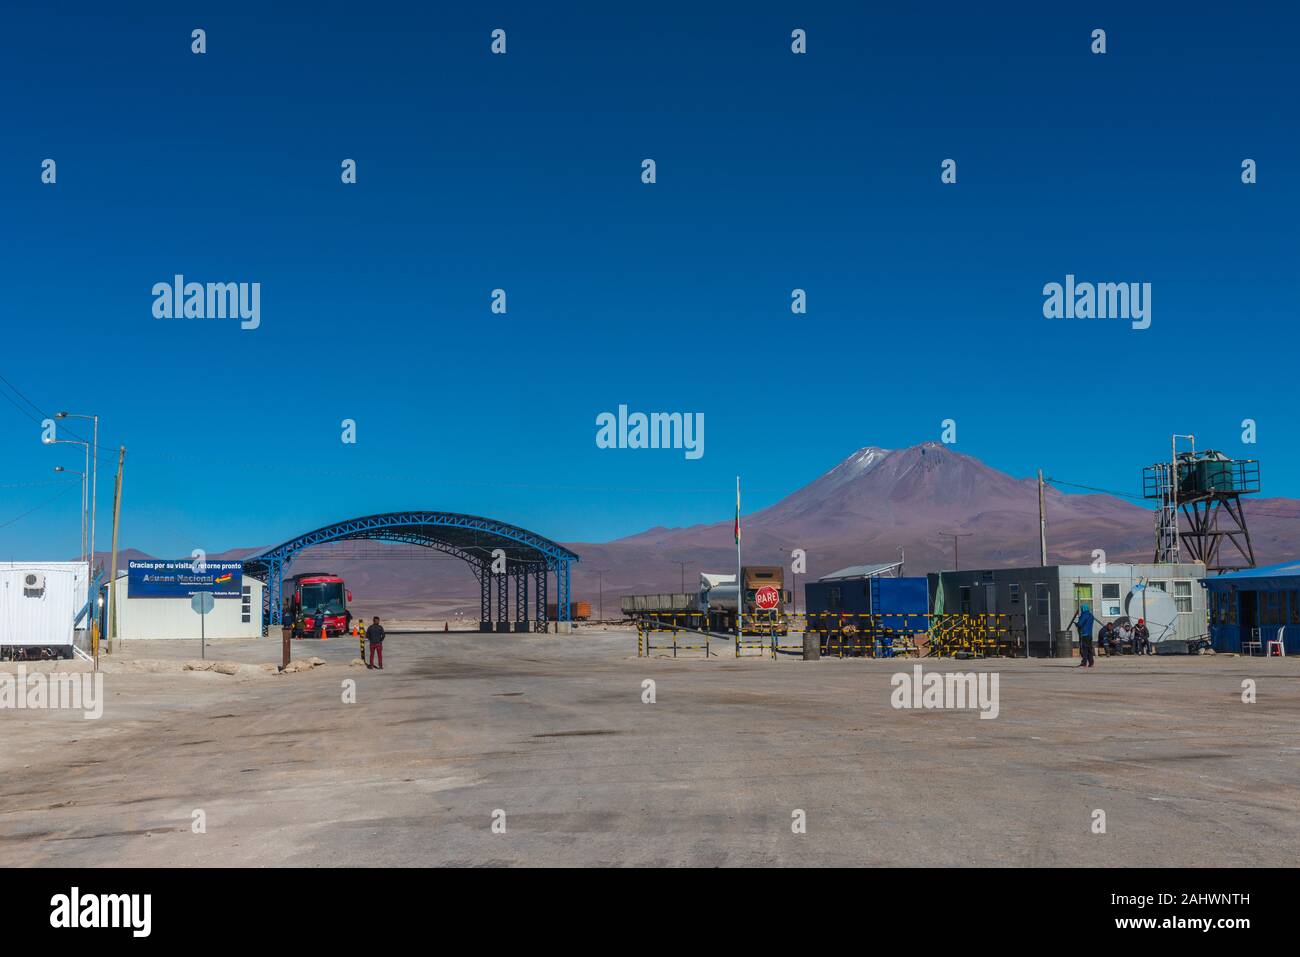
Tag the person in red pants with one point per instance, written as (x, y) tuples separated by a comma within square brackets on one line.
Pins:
[(375, 635)]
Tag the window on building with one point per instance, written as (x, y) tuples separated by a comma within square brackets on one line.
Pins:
[(1015, 593), (1163, 586), (1110, 605), (834, 598), (1183, 596), (965, 599), (1040, 599), (1270, 608), (246, 619)]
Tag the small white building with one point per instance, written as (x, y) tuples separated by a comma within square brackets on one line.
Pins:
[(39, 603), (238, 616)]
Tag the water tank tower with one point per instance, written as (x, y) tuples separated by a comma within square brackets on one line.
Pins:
[(1206, 487)]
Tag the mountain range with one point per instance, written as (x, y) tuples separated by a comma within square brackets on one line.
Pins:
[(872, 507)]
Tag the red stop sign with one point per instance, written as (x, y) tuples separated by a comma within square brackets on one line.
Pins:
[(767, 597)]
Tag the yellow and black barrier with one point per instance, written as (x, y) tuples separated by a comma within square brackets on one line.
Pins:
[(844, 634), (689, 623)]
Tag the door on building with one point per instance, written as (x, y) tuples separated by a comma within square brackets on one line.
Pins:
[(1249, 607), (991, 599)]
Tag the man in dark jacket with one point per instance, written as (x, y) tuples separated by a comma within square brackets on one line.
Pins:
[(375, 635), (1142, 638), (1084, 616), (1106, 639)]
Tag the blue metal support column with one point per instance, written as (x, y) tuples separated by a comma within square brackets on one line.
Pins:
[(503, 602), (521, 597), (539, 615), (273, 594), (485, 597), (562, 592)]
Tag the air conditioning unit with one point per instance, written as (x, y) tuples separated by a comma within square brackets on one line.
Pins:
[(34, 581)]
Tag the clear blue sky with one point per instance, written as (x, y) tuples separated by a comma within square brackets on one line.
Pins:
[(522, 171)]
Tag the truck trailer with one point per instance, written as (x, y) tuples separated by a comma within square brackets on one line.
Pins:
[(714, 604)]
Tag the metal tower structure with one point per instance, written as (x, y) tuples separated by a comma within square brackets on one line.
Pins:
[(1206, 487)]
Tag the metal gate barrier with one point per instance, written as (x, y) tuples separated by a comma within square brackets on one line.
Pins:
[(859, 635)]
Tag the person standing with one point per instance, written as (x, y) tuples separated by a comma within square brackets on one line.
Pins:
[(375, 635), (1085, 622)]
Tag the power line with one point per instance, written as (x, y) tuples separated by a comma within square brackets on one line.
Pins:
[(1089, 488), (48, 501), (107, 452), (18, 392)]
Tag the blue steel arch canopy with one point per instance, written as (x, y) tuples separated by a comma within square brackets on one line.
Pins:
[(476, 540)]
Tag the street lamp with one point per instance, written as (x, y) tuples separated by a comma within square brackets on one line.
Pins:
[(94, 476), (86, 445), (60, 468)]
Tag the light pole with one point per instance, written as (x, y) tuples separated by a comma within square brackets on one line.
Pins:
[(683, 564), (85, 445), (60, 468), (600, 601), (94, 476), (956, 537)]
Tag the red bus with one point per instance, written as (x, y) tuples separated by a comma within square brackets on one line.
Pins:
[(315, 597)]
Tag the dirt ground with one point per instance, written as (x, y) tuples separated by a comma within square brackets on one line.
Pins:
[(548, 738)]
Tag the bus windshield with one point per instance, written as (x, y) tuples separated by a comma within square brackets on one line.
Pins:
[(326, 595)]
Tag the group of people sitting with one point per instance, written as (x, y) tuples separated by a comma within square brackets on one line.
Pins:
[(1113, 639)]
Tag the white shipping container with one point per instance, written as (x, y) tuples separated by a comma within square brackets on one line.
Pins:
[(39, 602)]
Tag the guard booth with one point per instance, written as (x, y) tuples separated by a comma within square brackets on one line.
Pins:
[(1255, 606)]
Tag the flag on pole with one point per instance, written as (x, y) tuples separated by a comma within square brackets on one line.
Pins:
[(737, 510)]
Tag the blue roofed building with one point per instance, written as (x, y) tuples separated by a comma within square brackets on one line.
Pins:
[(1251, 607)]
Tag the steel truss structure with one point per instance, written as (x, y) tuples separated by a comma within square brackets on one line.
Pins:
[(483, 543), (1213, 512)]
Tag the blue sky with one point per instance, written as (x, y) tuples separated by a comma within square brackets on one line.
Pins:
[(522, 172)]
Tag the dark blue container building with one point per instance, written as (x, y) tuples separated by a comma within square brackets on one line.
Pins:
[(1254, 606), (865, 590)]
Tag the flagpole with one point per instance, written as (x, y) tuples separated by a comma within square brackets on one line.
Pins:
[(740, 587)]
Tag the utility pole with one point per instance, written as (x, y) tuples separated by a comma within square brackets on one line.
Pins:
[(683, 564), (1042, 524), (112, 566), (956, 536)]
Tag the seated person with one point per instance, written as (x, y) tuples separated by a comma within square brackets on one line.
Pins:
[(1106, 638), (1142, 638)]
